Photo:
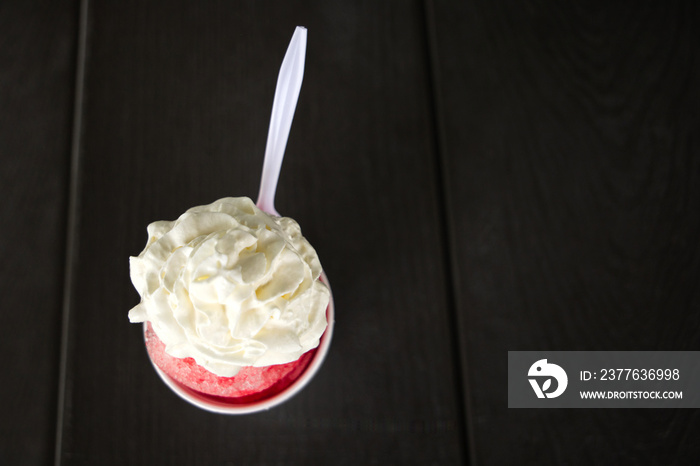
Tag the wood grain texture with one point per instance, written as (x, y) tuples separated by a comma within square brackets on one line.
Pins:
[(572, 168), (37, 41), (177, 102)]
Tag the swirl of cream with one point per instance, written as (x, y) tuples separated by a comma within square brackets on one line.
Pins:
[(230, 286)]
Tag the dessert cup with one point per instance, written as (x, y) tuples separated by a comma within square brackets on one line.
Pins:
[(224, 405), (180, 258)]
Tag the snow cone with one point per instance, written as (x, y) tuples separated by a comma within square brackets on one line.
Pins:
[(237, 317)]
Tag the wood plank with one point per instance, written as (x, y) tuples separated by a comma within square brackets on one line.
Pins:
[(178, 98), (37, 62), (571, 161)]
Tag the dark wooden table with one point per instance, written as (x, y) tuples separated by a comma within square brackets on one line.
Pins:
[(477, 177)]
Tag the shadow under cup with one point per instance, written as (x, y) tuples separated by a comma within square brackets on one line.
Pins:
[(266, 399)]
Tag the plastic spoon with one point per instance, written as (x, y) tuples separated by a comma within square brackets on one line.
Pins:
[(283, 107)]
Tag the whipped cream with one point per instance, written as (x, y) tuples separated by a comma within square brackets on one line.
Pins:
[(230, 286)]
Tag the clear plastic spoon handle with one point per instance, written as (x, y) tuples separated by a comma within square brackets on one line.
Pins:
[(283, 106)]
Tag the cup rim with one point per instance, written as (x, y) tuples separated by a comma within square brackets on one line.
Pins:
[(221, 407)]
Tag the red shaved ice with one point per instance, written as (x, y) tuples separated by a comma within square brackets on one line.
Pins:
[(248, 385)]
